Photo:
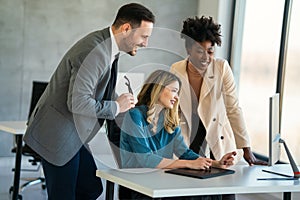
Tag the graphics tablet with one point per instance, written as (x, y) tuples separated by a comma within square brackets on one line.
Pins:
[(213, 172)]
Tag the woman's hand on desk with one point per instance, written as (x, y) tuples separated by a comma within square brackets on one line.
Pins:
[(226, 160), (200, 163), (206, 163), (251, 159)]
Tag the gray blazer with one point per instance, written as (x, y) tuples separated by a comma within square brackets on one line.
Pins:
[(66, 116)]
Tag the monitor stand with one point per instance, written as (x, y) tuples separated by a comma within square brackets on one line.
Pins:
[(292, 163)]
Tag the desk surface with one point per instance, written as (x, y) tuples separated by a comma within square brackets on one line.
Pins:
[(156, 183), (14, 127)]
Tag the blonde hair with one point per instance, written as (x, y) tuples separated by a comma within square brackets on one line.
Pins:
[(150, 94)]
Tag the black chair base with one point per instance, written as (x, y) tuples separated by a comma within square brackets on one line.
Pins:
[(29, 183), (34, 182), (36, 161)]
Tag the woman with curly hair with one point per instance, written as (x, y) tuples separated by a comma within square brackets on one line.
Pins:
[(212, 122)]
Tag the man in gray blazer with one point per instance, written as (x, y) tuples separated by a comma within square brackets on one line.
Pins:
[(77, 100)]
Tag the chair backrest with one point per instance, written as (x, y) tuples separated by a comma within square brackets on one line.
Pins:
[(113, 133), (38, 89)]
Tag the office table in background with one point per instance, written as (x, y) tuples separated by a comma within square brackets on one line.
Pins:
[(158, 184), (18, 129)]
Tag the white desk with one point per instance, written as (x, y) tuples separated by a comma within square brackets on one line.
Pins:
[(16, 128), (157, 184), (13, 127)]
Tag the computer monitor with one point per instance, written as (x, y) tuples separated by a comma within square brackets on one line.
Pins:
[(274, 129), (275, 141)]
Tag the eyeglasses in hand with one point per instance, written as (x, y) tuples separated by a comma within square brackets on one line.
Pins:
[(128, 85)]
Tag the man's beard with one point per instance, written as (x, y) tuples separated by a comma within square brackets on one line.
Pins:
[(132, 52)]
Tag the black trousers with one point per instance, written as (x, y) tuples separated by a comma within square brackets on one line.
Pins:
[(74, 180)]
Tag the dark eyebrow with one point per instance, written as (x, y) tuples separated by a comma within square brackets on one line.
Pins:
[(200, 47)]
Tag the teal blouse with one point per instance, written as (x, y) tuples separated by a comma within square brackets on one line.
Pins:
[(140, 147)]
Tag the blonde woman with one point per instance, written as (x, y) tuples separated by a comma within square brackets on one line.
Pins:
[(150, 134)]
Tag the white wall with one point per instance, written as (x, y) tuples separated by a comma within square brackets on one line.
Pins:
[(34, 35), (221, 11)]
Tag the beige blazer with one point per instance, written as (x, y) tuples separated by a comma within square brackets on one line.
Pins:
[(218, 109)]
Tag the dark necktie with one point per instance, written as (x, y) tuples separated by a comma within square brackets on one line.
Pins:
[(113, 129), (111, 85), (112, 81)]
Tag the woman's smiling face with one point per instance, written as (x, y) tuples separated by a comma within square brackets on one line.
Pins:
[(169, 95), (201, 54)]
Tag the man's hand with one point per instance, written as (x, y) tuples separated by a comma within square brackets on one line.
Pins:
[(251, 159), (125, 101)]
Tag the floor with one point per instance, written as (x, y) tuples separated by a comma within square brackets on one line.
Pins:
[(35, 192)]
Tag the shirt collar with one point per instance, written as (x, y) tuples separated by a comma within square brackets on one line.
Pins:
[(114, 46)]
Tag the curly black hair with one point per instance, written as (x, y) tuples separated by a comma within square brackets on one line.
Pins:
[(200, 30)]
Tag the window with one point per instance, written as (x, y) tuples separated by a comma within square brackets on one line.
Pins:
[(258, 69), (258, 74)]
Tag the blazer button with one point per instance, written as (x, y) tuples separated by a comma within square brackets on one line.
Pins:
[(214, 119), (222, 137)]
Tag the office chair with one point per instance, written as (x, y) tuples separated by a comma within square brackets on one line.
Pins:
[(113, 134), (37, 90)]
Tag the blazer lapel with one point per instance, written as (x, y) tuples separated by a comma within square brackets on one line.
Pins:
[(185, 94)]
